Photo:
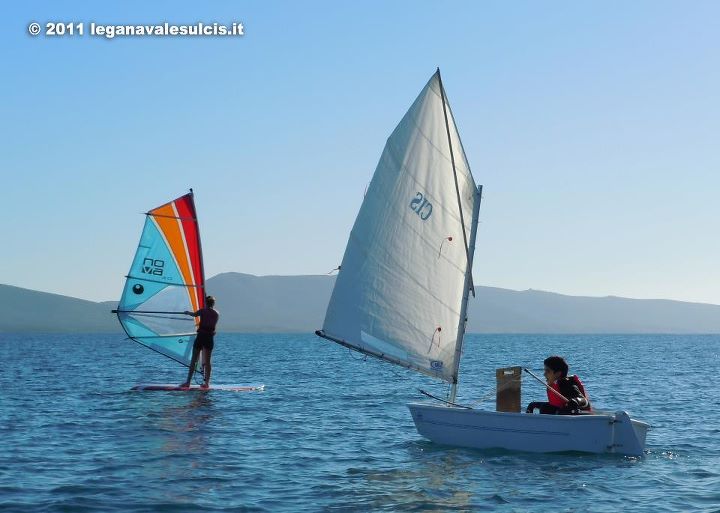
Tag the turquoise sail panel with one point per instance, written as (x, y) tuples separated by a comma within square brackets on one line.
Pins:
[(165, 280)]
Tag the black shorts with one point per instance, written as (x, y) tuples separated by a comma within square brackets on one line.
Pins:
[(204, 341)]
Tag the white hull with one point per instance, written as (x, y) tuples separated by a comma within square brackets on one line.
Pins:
[(595, 433)]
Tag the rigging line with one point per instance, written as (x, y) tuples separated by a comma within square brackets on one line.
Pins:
[(423, 392), (437, 332), (364, 358), (171, 217), (153, 349), (394, 372), (449, 239), (457, 187), (502, 387)]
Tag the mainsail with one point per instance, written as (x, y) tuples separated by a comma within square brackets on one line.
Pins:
[(166, 279), (401, 292)]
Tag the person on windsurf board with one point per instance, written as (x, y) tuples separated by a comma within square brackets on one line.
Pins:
[(204, 341)]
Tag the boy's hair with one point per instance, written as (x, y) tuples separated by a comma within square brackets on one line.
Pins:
[(557, 363), (210, 300)]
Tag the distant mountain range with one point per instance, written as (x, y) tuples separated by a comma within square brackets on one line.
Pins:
[(250, 303)]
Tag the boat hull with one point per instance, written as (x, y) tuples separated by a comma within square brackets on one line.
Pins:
[(613, 433)]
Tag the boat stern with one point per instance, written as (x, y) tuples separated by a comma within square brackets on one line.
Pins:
[(628, 435)]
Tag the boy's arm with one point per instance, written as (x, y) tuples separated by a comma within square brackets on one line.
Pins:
[(578, 397)]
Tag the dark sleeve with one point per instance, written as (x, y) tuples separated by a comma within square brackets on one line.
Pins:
[(579, 385)]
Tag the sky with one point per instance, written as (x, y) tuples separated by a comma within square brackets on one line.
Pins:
[(593, 127)]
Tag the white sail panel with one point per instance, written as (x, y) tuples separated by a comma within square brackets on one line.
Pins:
[(399, 292)]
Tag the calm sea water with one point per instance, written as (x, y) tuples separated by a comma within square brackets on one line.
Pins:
[(332, 432)]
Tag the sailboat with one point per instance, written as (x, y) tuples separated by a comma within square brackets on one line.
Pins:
[(166, 279), (403, 286)]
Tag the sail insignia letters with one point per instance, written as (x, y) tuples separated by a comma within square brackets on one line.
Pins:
[(421, 206), (153, 266)]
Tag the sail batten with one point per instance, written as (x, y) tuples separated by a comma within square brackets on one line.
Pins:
[(165, 280), (399, 294), (192, 219), (181, 284)]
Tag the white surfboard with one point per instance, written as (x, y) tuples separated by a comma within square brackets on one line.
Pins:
[(173, 387)]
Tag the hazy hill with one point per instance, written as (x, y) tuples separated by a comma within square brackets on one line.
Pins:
[(297, 304), (29, 310), (271, 303), (534, 311)]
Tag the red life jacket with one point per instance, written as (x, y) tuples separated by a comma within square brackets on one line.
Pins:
[(555, 400)]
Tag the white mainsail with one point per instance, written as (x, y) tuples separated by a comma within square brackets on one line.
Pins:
[(402, 288)]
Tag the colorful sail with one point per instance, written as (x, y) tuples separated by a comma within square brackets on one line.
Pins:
[(401, 292), (166, 279)]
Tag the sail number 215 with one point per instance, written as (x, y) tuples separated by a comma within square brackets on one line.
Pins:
[(421, 206)]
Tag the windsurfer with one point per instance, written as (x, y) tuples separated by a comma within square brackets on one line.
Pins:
[(556, 369), (204, 341)]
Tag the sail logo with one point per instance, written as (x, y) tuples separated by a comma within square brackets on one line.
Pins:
[(153, 266), (436, 365), (421, 206)]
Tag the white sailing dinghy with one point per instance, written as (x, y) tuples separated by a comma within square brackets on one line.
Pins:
[(167, 278), (402, 290)]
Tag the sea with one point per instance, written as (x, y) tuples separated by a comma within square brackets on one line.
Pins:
[(331, 431)]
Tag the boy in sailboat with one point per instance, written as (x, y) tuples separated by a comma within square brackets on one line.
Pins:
[(566, 395), (204, 341)]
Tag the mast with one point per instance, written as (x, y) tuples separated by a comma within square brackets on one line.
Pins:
[(466, 293), (452, 160), (202, 263), (469, 248)]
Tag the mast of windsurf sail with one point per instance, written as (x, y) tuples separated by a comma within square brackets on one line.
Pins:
[(200, 367), (469, 248), (202, 296)]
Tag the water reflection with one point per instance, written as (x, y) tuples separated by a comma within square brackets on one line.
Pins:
[(440, 478), (430, 482), (175, 432), (180, 421)]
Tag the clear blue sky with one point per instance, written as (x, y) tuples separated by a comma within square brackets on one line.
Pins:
[(594, 127)]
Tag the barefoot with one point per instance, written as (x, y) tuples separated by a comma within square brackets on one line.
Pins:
[(205, 385), (185, 385)]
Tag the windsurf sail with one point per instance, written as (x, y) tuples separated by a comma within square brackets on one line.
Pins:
[(166, 279), (401, 293)]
